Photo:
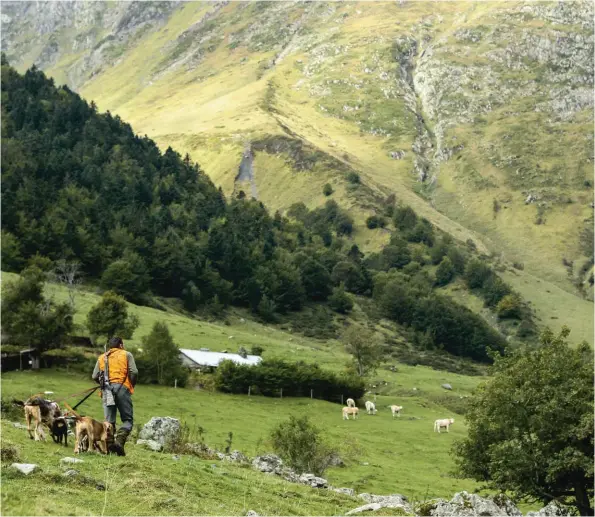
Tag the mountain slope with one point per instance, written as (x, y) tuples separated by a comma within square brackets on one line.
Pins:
[(489, 104)]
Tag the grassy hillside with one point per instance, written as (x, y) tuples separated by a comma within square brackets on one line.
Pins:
[(382, 455), (473, 94), (401, 455)]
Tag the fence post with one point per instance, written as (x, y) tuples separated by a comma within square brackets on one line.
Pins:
[(311, 394), (175, 383), (342, 400), (249, 390), (374, 397), (281, 392)]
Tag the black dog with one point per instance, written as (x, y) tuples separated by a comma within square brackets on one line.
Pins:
[(60, 430)]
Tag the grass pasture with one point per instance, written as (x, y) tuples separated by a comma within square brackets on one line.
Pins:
[(382, 455)]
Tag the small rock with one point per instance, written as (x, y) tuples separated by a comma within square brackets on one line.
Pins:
[(251, 513), (175, 457), (151, 444), (346, 491), (71, 460), (267, 463), (70, 473), (447, 386), (237, 457), (365, 463), (25, 468), (376, 502), (313, 481), (19, 426), (552, 509), (100, 486)]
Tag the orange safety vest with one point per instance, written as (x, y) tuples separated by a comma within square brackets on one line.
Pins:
[(117, 366)]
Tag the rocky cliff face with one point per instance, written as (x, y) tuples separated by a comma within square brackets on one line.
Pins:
[(95, 34), (483, 109)]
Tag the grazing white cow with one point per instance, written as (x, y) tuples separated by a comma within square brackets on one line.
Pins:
[(445, 422), (370, 407), (350, 411), (396, 410), (350, 403)]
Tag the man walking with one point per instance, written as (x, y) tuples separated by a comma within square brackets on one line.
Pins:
[(116, 372)]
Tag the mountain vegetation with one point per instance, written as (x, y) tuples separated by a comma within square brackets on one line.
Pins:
[(81, 186), (531, 425)]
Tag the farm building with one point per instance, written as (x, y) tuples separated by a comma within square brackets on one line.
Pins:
[(207, 359)]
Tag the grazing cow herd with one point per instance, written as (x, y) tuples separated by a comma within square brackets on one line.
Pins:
[(352, 410)]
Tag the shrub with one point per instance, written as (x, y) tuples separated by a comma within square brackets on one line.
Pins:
[(494, 290), (300, 444), (340, 301), (375, 221), (445, 272), (256, 350), (266, 309), (8, 452), (353, 178), (295, 379), (509, 307), (404, 218), (422, 232), (327, 190), (476, 273)]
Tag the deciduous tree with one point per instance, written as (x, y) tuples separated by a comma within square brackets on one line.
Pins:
[(531, 425)]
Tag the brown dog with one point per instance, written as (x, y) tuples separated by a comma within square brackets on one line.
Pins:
[(96, 434)]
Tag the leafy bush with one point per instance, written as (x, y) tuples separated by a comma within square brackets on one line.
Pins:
[(375, 221), (295, 379), (8, 452), (509, 307), (404, 218), (300, 444), (353, 178), (327, 190), (445, 272), (476, 273), (256, 350), (340, 301)]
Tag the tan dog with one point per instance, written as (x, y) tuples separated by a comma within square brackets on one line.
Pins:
[(96, 434)]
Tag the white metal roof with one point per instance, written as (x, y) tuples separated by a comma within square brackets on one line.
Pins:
[(214, 358)]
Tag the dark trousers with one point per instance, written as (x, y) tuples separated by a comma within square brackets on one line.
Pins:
[(123, 401)]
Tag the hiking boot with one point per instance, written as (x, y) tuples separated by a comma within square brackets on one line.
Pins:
[(118, 446)]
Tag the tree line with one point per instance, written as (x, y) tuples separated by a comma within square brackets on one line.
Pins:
[(79, 186)]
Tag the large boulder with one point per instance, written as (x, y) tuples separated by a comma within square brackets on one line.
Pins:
[(465, 504), (552, 509), (161, 429)]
